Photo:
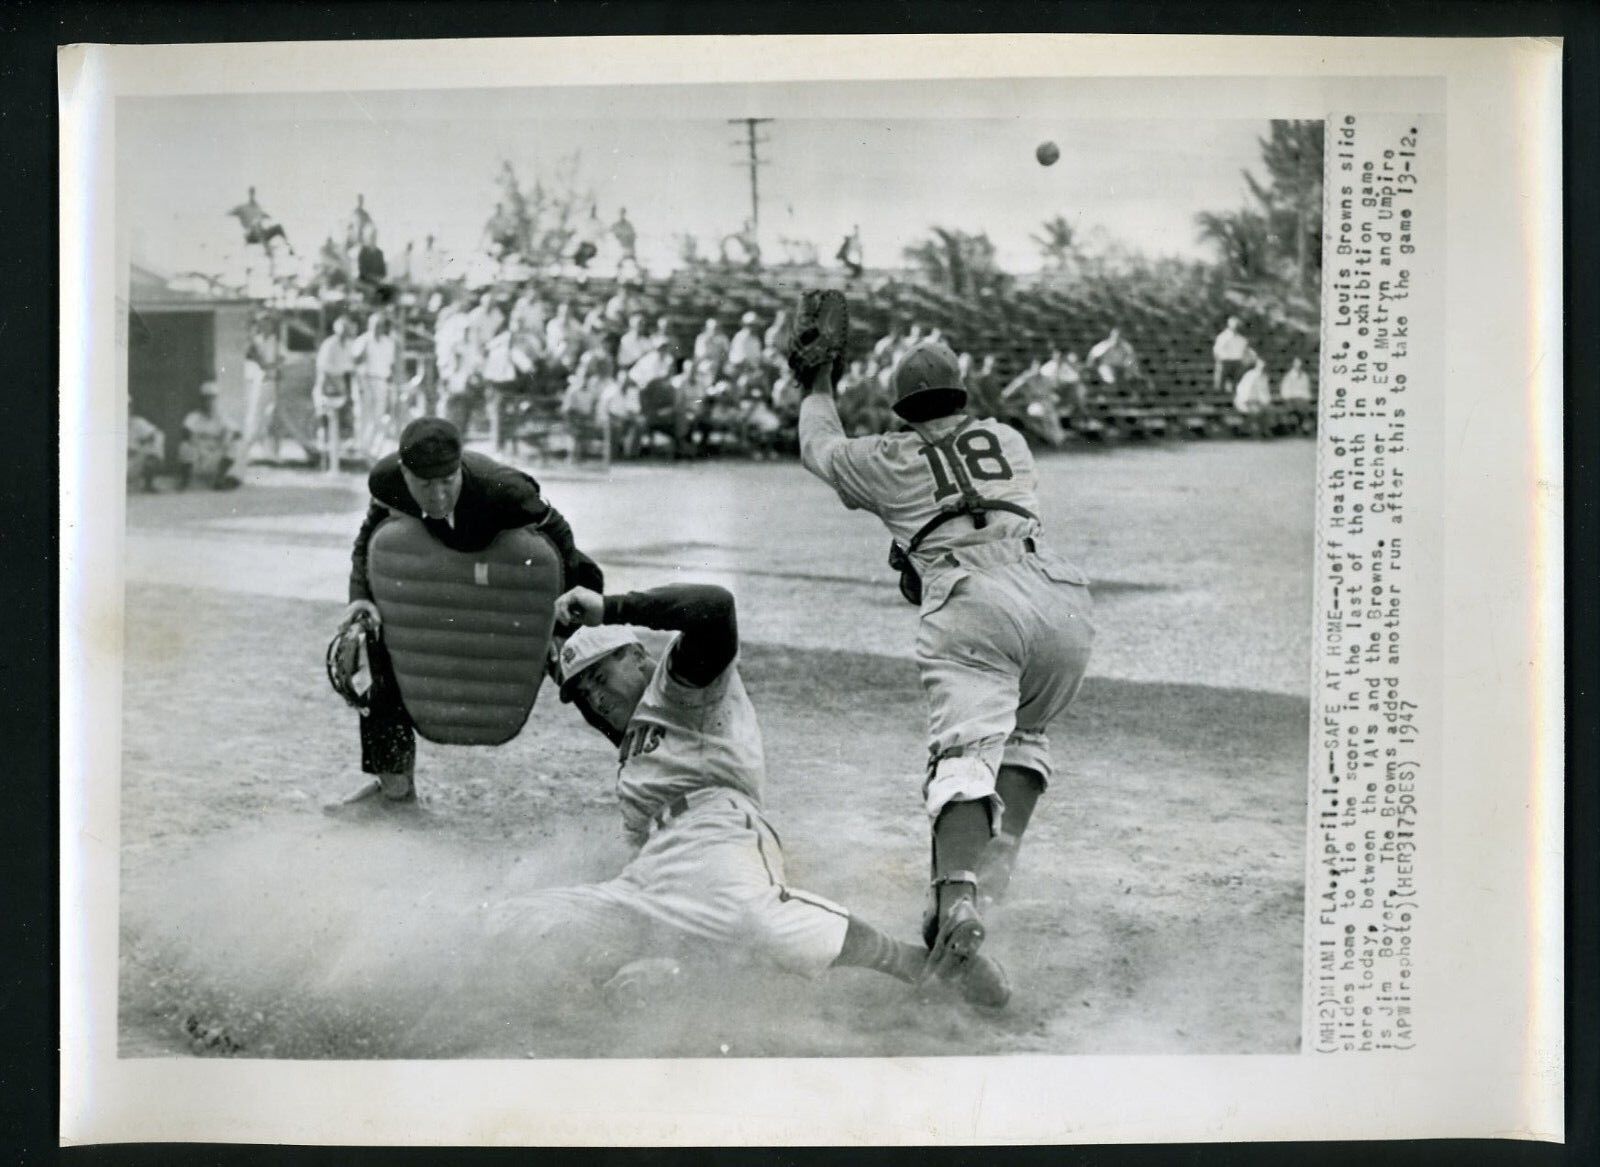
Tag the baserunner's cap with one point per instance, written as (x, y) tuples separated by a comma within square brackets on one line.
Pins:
[(588, 646), (927, 382), (430, 447)]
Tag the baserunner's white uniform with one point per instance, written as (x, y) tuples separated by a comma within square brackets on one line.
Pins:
[(1005, 627), (709, 867)]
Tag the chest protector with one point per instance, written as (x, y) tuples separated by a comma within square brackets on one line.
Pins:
[(467, 631)]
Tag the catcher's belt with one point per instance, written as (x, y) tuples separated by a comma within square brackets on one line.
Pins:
[(971, 503), (468, 633)]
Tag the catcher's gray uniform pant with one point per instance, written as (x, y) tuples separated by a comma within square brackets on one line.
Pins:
[(1002, 647), (713, 874)]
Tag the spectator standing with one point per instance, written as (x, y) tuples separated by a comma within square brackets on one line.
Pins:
[(1230, 350), (849, 253), (374, 353), (625, 235), (331, 390), (506, 367), (210, 445), (887, 347), (263, 362)]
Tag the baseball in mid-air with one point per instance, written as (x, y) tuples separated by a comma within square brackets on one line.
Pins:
[(1047, 153)]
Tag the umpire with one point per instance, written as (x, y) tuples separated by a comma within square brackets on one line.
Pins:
[(464, 500)]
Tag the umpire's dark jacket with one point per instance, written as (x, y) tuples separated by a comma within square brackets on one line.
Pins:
[(494, 498)]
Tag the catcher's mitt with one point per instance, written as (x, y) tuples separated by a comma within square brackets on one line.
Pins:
[(347, 661), (817, 339)]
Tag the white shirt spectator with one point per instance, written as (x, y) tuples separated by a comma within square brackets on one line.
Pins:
[(1254, 391), (375, 354), (633, 345), (1296, 385), (746, 348), (1230, 345)]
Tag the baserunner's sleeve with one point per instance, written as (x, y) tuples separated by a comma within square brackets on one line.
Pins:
[(842, 462), (705, 615)]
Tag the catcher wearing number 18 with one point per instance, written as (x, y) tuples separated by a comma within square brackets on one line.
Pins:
[(1005, 623)]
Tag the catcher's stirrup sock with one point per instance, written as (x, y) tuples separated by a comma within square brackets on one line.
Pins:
[(866, 947), (959, 838), (1019, 789)]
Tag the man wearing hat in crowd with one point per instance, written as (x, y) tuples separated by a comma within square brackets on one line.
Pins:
[(744, 351), (1004, 630), (708, 876), (463, 500)]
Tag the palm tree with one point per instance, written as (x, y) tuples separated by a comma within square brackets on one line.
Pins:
[(1056, 241)]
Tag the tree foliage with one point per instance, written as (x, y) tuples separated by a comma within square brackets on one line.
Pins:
[(961, 262), (540, 225), (1276, 239)]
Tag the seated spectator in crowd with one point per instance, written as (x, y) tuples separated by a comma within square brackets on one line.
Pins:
[(744, 351), (210, 445), (661, 405), (786, 397), (529, 314), (983, 386), (1114, 359), (1229, 350), (330, 390), (632, 344), (1295, 393), (619, 309), (776, 340), (461, 381), (563, 338), (711, 345), (1067, 376), (655, 366), (909, 341), (580, 404), (664, 332), (619, 405), (761, 426), (1252, 398), (147, 451), (864, 404), (596, 332), (887, 347), (1029, 403)]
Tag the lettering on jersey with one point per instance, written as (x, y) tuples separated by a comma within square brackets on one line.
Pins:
[(980, 454), (640, 739)]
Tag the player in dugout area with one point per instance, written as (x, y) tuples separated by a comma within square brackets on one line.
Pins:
[(464, 499), (707, 880)]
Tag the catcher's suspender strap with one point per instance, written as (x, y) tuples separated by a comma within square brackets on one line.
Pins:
[(972, 503)]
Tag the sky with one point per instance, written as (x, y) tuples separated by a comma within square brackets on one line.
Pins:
[(426, 163)]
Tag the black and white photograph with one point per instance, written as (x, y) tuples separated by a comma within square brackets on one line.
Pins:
[(584, 436), (806, 591)]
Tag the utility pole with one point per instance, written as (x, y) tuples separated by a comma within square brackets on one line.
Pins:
[(751, 140)]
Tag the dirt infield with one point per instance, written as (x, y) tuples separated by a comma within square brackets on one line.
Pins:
[(1157, 905)]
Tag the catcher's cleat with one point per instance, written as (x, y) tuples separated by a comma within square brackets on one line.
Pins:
[(994, 871), (385, 790), (984, 982), (959, 936)]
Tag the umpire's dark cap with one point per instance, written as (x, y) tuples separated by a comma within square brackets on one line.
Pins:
[(430, 447)]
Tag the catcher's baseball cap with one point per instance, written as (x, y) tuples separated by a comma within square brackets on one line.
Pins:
[(927, 382), (587, 646), (430, 447)]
